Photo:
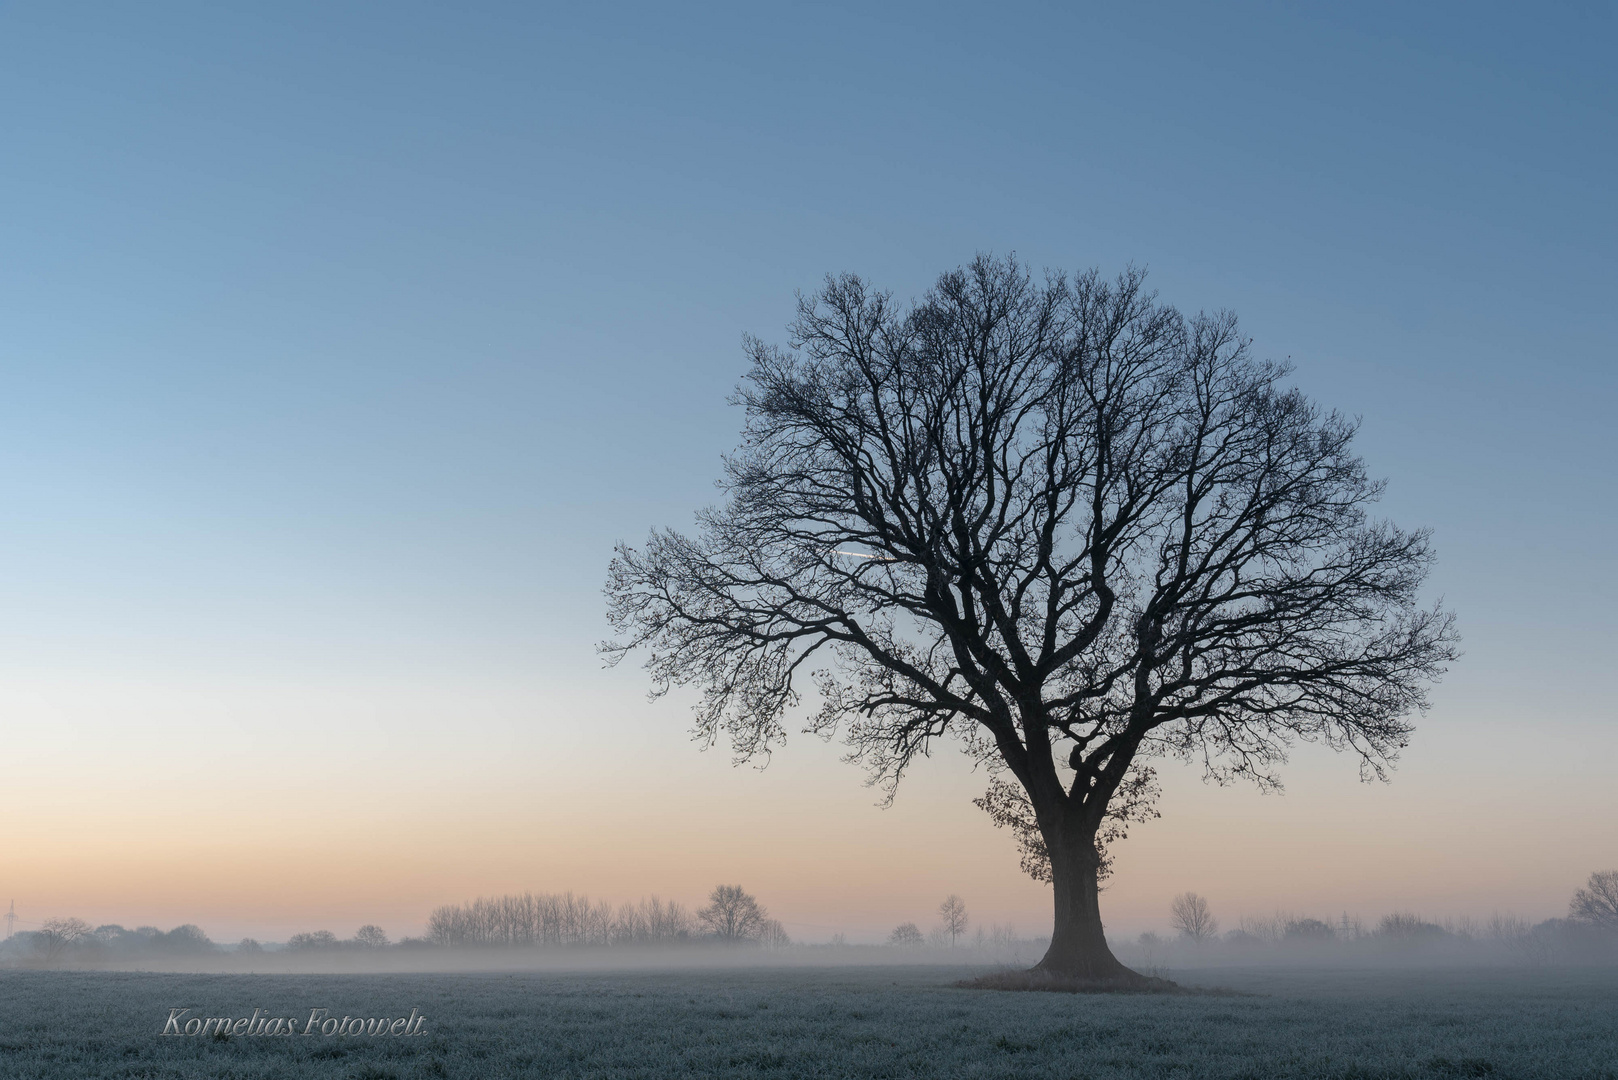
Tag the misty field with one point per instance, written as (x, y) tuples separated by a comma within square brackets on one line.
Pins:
[(825, 1022)]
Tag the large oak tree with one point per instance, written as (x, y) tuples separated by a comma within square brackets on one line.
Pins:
[(1059, 522)]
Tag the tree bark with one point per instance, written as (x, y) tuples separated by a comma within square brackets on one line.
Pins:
[(1078, 947)]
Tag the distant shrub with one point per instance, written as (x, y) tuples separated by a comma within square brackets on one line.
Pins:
[(1270, 928), (249, 945), (371, 936), (319, 940), (187, 939), (906, 934), (1404, 926), (111, 934), (1308, 931)]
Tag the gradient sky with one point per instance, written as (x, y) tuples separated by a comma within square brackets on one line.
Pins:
[(341, 342)]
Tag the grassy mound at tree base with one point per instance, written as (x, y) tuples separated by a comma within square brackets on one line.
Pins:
[(1037, 979)]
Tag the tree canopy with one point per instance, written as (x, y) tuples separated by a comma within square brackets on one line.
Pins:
[(1059, 521)]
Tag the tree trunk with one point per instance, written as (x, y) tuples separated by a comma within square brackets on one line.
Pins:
[(1078, 947)]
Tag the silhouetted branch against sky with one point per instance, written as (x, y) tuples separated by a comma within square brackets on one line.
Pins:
[(1102, 530)]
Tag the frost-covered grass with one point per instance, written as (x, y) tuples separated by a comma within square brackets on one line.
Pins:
[(829, 1022)]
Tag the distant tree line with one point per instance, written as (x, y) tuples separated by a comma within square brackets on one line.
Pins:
[(530, 920), (733, 916), (1590, 930), (369, 936), (526, 920), (59, 938)]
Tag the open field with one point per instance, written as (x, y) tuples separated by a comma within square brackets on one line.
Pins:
[(827, 1022)]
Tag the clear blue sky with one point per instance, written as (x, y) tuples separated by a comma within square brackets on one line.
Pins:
[(341, 341)]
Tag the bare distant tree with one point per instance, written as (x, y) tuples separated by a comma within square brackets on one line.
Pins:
[(772, 935), (906, 934), (1060, 522), (1189, 915), (669, 921), (188, 938), (56, 936), (1597, 902), (371, 936), (952, 917), (249, 945), (1305, 930), (1001, 936), (732, 914), (109, 933), (316, 940)]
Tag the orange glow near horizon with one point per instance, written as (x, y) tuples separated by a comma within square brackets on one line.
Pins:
[(334, 824)]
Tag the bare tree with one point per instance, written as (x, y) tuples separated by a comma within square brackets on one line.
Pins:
[(1189, 915), (733, 915), (1062, 523), (188, 938), (906, 934), (545, 919), (1597, 902), (952, 917), (56, 936), (371, 936), (315, 940)]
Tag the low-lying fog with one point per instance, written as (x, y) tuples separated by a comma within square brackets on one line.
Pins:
[(565, 932), (1548, 946)]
